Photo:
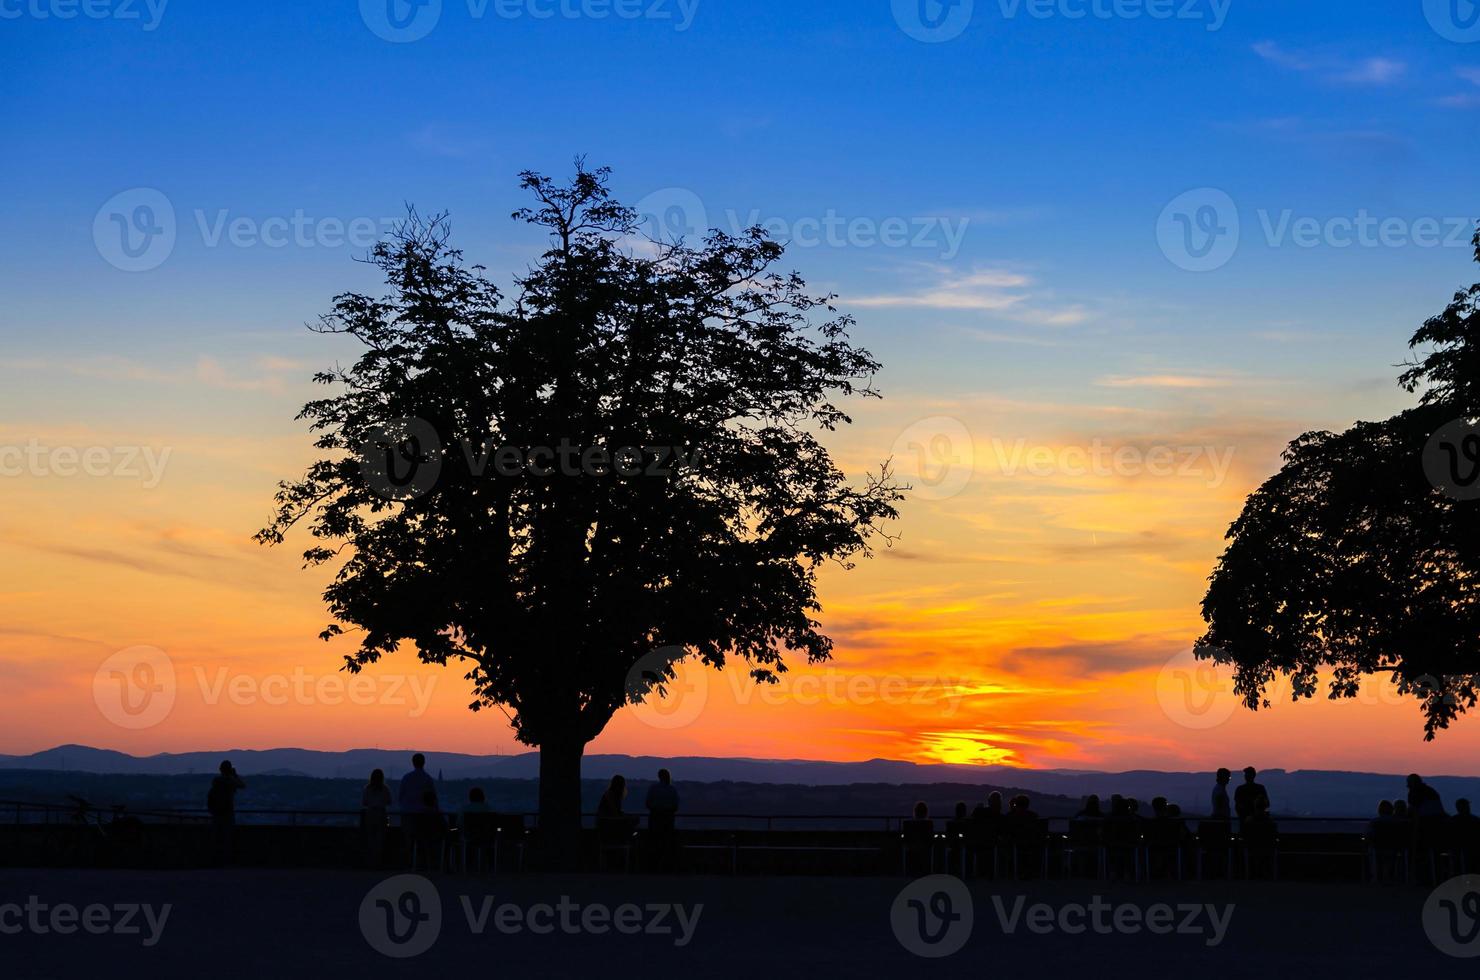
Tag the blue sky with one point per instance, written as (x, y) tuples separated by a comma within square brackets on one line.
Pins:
[(1058, 140)]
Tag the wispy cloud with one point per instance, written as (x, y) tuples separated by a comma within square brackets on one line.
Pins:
[(999, 292), (439, 139), (1163, 381), (1376, 71), (269, 373), (1373, 71), (1464, 100)]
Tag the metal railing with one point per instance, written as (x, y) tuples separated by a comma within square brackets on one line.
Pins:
[(30, 812)]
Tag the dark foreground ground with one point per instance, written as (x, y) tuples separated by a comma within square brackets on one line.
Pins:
[(274, 925)]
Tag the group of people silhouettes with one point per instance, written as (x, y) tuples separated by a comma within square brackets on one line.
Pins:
[(1131, 842), (1415, 827), (428, 826)]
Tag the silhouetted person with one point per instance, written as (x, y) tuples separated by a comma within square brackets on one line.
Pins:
[(477, 802), (1026, 834), (610, 805), (1388, 838), (614, 827), (1121, 836), (428, 827), (1020, 810), (415, 785), (477, 826), (1246, 798), (1466, 834), (1400, 810), (1260, 834), (1086, 836), (662, 807), (918, 839), (375, 805), (1221, 809), (1429, 825), (221, 802), (662, 798), (991, 812), (1423, 799), (986, 825)]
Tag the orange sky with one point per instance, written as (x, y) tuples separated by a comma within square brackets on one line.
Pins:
[(1027, 614)]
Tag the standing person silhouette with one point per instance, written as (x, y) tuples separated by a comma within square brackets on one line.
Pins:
[(375, 804), (415, 785), (1221, 809), (221, 802), (662, 807), (1246, 799)]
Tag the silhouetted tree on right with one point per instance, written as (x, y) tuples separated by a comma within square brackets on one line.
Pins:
[(1362, 555)]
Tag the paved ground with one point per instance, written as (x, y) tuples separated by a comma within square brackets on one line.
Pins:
[(270, 925)]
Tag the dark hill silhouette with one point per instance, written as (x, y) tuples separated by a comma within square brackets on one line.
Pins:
[(1309, 792)]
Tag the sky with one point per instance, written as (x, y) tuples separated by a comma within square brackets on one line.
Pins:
[(1112, 255)]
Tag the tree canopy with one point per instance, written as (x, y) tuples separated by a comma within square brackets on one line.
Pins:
[(1362, 555), (621, 456)]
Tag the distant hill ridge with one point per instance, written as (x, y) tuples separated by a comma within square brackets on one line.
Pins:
[(1308, 792)]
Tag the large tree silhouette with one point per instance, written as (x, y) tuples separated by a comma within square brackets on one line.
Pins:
[(1362, 555), (554, 583)]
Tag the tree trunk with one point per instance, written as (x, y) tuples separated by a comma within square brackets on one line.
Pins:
[(560, 803)]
